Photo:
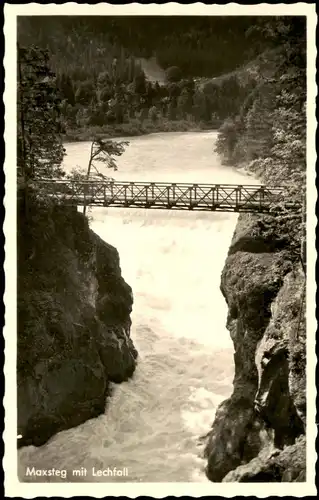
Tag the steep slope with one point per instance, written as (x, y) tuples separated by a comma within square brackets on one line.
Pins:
[(258, 433), (73, 321)]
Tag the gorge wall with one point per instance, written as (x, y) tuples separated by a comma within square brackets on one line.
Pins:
[(258, 434), (73, 321)]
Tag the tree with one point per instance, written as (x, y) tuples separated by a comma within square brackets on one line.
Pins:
[(40, 151), (104, 79), (150, 94), (117, 108), (184, 103), (269, 135), (140, 84), (188, 84), (106, 94), (143, 114), (173, 74), (202, 107), (157, 90), (174, 91), (153, 114), (260, 121), (85, 92), (97, 116), (66, 88), (102, 152), (171, 111), (228, 136)]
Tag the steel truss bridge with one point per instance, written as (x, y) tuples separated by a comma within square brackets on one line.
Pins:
[(163, 195)]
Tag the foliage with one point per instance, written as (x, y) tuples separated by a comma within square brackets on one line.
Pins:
[(101, 81), (134, 127), (272, 118), (102, 152), (173, 74), (192, 43), (40, 149), (105, 92), (153, 114), (268, 135), (228, 139)]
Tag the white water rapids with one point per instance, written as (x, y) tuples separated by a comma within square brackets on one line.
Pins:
[(173, 261)]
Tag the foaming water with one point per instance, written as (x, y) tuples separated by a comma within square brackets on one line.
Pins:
[(173, 261)]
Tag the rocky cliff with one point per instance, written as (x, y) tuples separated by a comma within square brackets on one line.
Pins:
[(73, 321), (259, 433)]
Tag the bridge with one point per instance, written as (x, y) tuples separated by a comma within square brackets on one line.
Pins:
[(163, 195)]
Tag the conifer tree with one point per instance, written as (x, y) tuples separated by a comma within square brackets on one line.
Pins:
[(40, 150)]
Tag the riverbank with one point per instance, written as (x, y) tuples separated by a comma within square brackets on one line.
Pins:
[(258, 434), (135, 128)]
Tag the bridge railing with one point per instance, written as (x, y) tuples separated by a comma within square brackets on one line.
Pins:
[(226, 197)]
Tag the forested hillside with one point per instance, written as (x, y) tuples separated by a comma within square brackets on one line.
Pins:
[(103, 86), (198, 45), (268, 132), (244, 73)]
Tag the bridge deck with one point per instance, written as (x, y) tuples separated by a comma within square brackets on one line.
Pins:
[(162, 195)]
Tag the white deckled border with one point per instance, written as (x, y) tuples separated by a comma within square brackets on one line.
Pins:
[(13, 488)]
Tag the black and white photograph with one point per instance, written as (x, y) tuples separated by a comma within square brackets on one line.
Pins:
[(160, 254)]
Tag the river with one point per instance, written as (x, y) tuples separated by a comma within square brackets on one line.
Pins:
[(173, 261)]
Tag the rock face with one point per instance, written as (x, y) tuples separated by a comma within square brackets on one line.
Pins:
[(73, 322), (258, 433)]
